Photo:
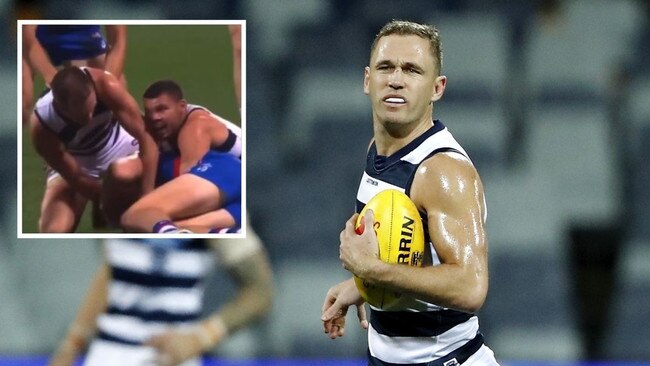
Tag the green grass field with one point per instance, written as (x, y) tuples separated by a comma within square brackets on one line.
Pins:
[(198, 57)]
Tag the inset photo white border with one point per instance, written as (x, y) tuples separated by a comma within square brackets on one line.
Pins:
[(22, 130)]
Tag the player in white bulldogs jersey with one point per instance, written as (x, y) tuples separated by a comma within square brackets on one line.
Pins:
[(436, 323), (144, 306), (84, 123)]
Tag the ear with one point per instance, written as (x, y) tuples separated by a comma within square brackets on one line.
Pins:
[(366, 80), (183, 103), (438, 88)]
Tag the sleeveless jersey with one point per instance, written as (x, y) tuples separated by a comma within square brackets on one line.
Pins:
[(420, 332), (71, 42), (97, 137), (169, 159), (155, 284)]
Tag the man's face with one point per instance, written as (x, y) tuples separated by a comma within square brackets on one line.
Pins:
[(402, 79), (164, 115)]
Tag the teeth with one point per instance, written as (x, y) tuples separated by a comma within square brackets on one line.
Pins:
[(395, 100)]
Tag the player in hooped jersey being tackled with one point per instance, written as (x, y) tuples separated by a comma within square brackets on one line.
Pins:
[(419, 156)]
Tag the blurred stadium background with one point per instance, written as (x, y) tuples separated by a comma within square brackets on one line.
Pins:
[(551, 98)]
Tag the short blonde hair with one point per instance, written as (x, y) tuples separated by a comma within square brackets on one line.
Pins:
[(407, 28)]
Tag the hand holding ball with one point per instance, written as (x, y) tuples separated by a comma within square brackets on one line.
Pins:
[(401, 240)]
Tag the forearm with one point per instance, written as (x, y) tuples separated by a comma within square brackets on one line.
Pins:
[(84, 324), (446, 285), (149, 156), (253, 301)]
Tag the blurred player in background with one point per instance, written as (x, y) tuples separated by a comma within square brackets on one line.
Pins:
[(144, 303), (235, 39), (191, 140), (413, 153), (85, 122), (47, 48)]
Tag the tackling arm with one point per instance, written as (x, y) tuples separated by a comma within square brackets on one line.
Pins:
[(449, 190), (51, 149), (118, 99)]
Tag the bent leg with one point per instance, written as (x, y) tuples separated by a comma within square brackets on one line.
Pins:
[(61, 208), (121, 187), (220, 218), (185, 196)]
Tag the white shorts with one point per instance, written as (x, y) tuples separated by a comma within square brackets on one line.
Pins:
[(104, 353), (94, 165), (483, 357)]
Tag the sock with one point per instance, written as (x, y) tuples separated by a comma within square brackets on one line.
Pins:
[(231, 230), (165, 226)]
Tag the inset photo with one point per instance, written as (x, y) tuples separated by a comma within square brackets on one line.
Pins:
[(131, 129)]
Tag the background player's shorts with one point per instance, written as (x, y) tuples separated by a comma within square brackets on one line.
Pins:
[(102, 353), (71, 42), (95, 165), (224, 171)]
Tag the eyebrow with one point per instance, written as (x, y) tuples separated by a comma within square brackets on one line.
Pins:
[(411, 65)]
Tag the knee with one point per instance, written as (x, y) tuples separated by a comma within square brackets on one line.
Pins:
[(122, 171), (127, 219)]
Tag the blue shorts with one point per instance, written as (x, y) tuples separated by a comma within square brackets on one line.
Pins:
[(71, 42), (224, 171), (234, 209)]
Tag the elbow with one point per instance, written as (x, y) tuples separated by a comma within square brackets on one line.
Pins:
[(475, 297)]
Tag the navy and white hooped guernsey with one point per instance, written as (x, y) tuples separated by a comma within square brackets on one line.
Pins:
[(420, 333), (156, 284), (94, 145)]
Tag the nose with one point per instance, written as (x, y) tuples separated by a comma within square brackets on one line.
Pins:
[(396, 79)]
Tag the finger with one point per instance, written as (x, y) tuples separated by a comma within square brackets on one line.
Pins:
[(329, 300), (369, 219), (352, 222), (363, 317), (333, 310)]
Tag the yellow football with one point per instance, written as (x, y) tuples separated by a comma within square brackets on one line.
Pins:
[(401, 241)]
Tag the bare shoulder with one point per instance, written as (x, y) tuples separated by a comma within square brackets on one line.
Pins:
[(203, 120), (104, 80), (446, 180)]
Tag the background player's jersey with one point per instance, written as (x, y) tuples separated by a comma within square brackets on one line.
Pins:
[(155, 284), (419, 332), (71, 42)]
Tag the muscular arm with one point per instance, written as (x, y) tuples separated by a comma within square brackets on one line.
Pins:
[(117, 98), (116, 37), (199, 133), (36, 55), (51, 149), (448, 189)]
